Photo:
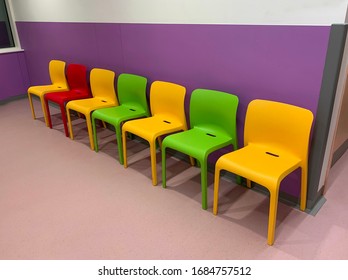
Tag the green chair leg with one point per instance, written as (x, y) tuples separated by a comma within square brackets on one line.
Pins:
[(204, 184), (164, 175), (119, 143)]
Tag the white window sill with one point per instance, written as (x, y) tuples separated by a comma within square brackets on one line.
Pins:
[(11, 50)]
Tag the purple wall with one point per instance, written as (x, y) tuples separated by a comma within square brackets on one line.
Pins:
[(14, 78), (282, 63)]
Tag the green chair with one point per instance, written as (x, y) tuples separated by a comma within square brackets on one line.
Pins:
[(131, 91), (212, 127)]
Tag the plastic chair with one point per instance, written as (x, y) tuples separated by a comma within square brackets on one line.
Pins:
[(58, 83), (167, 116), (103, 91), (276, 139), (78, 89), (131, 92), (212, 127)]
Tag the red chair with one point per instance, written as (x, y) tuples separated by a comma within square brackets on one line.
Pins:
[(78, 89)]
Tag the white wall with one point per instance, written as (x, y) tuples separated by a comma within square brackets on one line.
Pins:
[(302, 12)]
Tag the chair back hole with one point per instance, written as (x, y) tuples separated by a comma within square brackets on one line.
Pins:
[(166, 121), (211, 135), (271, 154), (103, 101), (132, 110)]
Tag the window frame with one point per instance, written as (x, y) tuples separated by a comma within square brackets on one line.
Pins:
[(17, 46)]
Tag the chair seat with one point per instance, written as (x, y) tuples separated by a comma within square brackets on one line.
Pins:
[(264, 165), (85, 106), (41, 90), (114, 115), (65, 96), (197, 142), (152, 127)]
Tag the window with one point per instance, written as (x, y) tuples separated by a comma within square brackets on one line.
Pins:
[(6, 36)]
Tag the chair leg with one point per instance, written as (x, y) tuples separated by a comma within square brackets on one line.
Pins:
[(63, 113), (238, 178), (119, 142), (124, 148), (248, 183), (90, 130), (216, 189), (204, 185), (192, 161), (159, 139), (95, 138), (44, 109), (303, 199), (273, 205), (31, 105), (164, 167), (69, 123), (48, 114), (153, 162)]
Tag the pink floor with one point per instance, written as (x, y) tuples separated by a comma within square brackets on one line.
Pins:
[(60, 200)]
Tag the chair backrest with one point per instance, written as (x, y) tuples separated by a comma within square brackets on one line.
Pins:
[(278, 125), (214, 109), (77, 77), (168, 99), (131, 90), (57, 73), (103, 84)]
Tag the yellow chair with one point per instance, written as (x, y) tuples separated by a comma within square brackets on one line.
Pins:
[(276, 139), (167, 116), (104, 96), (59, 83)]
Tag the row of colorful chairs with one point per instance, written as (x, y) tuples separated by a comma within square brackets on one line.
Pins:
[(276, 135)]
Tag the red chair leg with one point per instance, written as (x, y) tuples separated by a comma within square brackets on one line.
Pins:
[(62, 109), (48, 114)]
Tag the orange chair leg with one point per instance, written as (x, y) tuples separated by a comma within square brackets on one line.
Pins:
[(273, 205), (90, 131), (303, 199), (42, 100), (216, 190), (69, 123), (31, 105), (153, 163)]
